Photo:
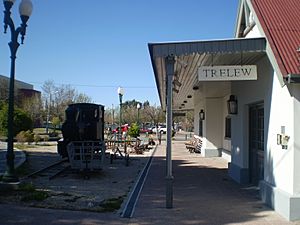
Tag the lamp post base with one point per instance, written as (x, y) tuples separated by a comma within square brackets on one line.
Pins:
[(10, 178)]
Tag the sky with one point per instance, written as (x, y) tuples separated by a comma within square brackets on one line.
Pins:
[(97, 45)]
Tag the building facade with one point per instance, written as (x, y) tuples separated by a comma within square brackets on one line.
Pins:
[(23, 90), (249, 89)]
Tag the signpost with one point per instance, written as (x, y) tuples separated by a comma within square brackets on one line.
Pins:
[(226, 73)]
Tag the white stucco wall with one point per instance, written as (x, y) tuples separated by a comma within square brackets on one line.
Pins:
[(214, 123), (198, 105), (280, 110), (279, 163), (296, 139), (248, 92)]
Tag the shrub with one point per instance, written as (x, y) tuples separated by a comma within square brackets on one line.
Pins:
[(21, 121), (46, 138), (25, 136), (37, 138), (134, 130)]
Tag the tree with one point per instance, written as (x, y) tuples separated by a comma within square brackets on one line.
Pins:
[(154, 114), (55, 122), (3, 90), (82, 98), (109, 115), (32, 106), (57, 98), (189, 122), (22, 121)]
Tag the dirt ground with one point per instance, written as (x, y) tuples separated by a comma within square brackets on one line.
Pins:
[(104, 191)]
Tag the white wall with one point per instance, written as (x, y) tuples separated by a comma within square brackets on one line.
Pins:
[(198, 105), (279, 164), (214, 123), (249, 92), (280, 110), (296, 138)]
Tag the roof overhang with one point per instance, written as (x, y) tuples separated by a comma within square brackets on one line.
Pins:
[(189, 56)]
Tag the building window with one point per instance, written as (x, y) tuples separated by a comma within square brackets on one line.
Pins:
[(228, 127)]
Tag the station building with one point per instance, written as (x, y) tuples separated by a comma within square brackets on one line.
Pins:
[(247, 91)]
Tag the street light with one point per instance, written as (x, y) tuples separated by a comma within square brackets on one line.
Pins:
[(120, 93), (138, 106), (25, 10), (48, 111)]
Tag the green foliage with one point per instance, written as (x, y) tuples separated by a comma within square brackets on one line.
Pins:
[(2, 103), (112, 204), (21, 121), (134, 130), (25, 136), (31, 194), (55, 121), (35, 196), (37, 138), (26, 187)]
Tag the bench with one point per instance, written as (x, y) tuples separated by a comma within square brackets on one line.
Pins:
[(194, 145), (140, 146)]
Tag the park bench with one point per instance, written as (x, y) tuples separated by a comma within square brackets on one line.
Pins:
[(194, 145), (140, 146)]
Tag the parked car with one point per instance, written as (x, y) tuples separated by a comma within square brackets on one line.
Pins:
[(123, 127), (146, 130), (161, 129)]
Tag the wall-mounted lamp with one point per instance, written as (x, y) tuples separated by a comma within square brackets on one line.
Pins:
[(202, 115), (232, 105), (177, 83), (175, 90)]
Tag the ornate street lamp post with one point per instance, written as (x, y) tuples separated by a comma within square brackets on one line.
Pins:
[(48, 114), (120, 93), (25, 9), (138, 106)]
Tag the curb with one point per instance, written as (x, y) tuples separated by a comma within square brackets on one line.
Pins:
[(135, 193)]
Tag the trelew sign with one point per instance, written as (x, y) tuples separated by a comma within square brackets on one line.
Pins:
[(219, 73)]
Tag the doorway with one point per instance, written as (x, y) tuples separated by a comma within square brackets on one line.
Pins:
[(256, 143)]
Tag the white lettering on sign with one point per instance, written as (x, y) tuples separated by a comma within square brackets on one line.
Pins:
[(219, 73)]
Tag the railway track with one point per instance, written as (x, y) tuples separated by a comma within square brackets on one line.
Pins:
[(50, 171)]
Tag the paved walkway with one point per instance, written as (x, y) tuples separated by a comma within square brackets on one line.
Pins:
[(203, 194)]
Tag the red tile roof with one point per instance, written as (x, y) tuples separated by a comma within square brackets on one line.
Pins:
[(280, 20)]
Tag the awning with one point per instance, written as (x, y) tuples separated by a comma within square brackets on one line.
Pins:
[(189, 56)]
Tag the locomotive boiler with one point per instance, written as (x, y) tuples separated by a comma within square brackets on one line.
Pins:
[(84, 123)]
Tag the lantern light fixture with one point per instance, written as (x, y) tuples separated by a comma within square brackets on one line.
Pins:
[(232, 105), (202, 115)]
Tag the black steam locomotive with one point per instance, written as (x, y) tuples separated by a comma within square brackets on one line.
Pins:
[(84, 122)]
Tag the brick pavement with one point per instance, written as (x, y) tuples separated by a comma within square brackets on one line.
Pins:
[(203, 194)]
